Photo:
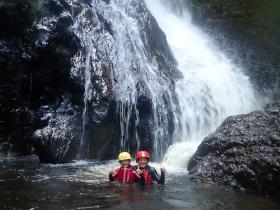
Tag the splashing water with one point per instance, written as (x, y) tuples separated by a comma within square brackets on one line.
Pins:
[(212, 87)]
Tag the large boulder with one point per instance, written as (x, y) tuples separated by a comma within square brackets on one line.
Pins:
[(58, 142), (244, 153)]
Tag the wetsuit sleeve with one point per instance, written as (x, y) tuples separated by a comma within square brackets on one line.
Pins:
[(159, 179), (111, 178)]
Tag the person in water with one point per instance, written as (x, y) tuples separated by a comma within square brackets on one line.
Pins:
[(147, 172), (125, 173)]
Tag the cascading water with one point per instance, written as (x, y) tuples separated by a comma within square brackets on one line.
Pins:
[(113, 38), (212, 87), (135, 74)]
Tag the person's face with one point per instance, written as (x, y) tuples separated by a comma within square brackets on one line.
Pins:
[(125, 163), (143, 162)]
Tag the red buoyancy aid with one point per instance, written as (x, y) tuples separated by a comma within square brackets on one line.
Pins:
[(126, 175), (147, 176)]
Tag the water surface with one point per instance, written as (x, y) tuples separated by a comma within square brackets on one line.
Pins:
[(27, 184)]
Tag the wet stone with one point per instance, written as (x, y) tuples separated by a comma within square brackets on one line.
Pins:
[(254, 165)]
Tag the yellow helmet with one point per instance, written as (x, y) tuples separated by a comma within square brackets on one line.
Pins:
[(124, 156)]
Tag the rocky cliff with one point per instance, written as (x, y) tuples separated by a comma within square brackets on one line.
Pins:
[(59, 62)]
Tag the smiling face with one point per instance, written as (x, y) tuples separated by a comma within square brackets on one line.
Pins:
[(125, 163), (143, 162)]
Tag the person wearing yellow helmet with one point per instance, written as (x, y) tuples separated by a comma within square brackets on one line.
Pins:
[(125, 173), (124, 156)]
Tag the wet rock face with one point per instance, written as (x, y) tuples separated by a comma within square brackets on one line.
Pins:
[(243, 153), (145, 127), (15, 41), (112, 34), (35, 58), (59, 141), (58, 57), (16, 17)]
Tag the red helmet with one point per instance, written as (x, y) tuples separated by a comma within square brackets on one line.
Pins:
[(142, 154)]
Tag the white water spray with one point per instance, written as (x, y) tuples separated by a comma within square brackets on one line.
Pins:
[(212, 87)]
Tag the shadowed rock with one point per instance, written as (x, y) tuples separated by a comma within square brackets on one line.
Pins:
[(58, 142)]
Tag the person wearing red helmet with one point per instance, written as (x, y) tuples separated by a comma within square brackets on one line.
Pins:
[(147, 172)]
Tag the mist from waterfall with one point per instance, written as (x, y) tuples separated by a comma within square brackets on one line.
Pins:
[(212, 88)]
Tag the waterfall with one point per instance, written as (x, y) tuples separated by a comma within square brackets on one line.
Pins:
[(134, 68), (113, 40), (116, 58), (212, 87)]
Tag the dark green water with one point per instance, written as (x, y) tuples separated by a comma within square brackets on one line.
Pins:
[(27, 184)]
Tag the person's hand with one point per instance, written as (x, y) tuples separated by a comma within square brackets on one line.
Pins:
[(162, 170), (139, 171), (113, 171)]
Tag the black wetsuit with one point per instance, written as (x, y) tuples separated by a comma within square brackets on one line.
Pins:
[(150, 174)]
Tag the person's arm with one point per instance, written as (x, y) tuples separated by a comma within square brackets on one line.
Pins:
[(140, 178), (136, 175), (113, 174), (159, 179)]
